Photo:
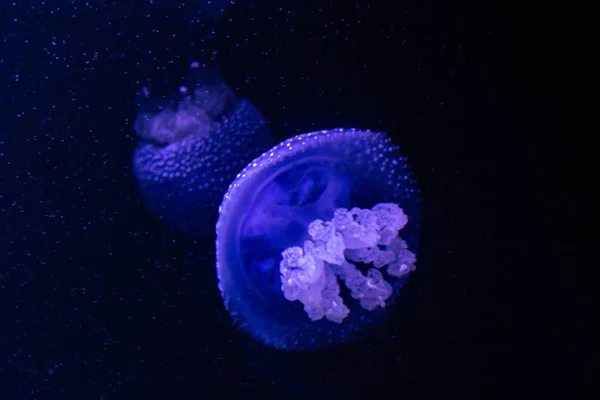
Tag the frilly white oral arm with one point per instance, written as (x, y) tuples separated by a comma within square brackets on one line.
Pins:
[(309, 274)]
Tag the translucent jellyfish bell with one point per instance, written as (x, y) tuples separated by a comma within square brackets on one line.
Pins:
[(316, 236), (191, 148)]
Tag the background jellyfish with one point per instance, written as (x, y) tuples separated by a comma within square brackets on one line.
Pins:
[(298, 227), (191, 148)]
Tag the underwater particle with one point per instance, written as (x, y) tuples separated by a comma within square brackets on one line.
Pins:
[(302, 218), (199, 10), (210, 9), (191, 148)]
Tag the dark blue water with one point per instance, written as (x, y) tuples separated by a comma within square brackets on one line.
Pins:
[(101, 300)]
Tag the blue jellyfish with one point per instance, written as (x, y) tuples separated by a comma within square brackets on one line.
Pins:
[(316, 236), (191, 148)]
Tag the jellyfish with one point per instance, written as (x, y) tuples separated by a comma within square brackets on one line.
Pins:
[(316, 237), (191, 148)]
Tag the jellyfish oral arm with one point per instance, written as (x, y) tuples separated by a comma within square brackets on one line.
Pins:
[(193, 115), (310, 274), (313, 283)]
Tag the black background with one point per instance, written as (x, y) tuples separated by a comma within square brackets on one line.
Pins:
[(100, 300)]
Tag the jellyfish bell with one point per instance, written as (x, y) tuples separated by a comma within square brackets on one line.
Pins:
[(191, 145), (315, 238)]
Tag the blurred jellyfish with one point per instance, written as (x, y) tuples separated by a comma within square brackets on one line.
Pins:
[(313, 238), (191, 148)]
